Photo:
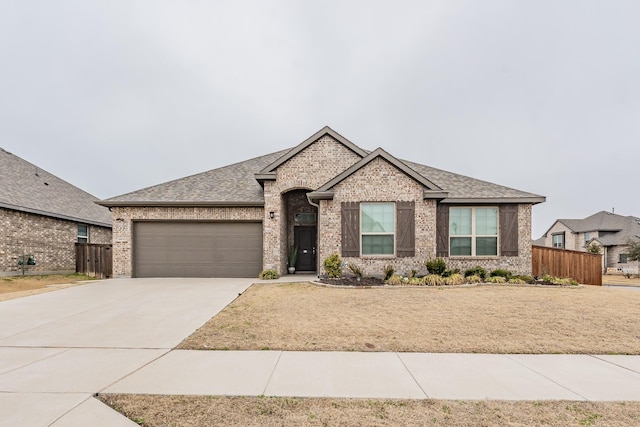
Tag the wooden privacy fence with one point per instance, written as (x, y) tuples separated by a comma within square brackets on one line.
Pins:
[(94, 260), (584, 267)]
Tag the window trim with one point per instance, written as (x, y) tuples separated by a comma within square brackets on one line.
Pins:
[(626, 258), (393, 234), (80, 236), (473, 234)]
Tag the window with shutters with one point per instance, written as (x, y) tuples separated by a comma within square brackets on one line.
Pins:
[(473, 231), (377, 228)]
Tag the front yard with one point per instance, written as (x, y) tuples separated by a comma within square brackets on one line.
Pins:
[(12, 287), (495, 319), (481, 319)]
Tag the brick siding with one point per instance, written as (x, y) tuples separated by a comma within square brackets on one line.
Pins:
[(50, 240)]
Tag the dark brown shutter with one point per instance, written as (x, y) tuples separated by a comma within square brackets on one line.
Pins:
[(509, 230), (406, 238), (442, 230), (350, 213)]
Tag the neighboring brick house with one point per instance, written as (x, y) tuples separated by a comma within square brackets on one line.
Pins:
[(43, 216), (608, 230), (324, 196)]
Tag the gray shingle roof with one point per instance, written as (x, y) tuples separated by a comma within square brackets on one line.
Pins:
[(236, 184), (232, 184), (618, 228), (25, 187)]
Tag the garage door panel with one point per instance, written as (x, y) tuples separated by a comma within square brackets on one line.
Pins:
[(197, 249)]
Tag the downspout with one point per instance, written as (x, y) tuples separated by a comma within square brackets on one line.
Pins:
[(317, 205)]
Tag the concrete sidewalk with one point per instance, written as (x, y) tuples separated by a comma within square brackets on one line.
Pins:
[(388, 375)]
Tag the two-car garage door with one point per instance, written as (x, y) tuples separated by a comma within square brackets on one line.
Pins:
[(197, 249)]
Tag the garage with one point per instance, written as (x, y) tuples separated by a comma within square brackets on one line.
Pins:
[(197, 249)]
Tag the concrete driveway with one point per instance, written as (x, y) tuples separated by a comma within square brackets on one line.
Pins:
[(58, 348)]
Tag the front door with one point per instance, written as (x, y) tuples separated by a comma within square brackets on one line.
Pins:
[(305, 240)]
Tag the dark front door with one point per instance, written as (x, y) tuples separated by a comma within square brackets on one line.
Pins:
[(305, 240)]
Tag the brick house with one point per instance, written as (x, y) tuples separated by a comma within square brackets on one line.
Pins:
[(324, 196), (606, 229), (43, 216)]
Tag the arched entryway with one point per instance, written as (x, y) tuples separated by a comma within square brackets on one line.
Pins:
[(301, 230)]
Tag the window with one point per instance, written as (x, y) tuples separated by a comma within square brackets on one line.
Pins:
[(557, 240), (377, 228), (587, 237), (473, 231), (83, 234), (623, 258)]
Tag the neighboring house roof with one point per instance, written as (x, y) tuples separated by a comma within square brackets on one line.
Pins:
[(612, 229), (237, 184), (27, 188), (539, 242)]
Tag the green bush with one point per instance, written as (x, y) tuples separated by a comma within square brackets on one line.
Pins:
[(448, 273), (388, 271), (268, 275), (476, 271), (333, 266), (526, 279), (496, 279), (498, 272), (436, 266), (516, 281)]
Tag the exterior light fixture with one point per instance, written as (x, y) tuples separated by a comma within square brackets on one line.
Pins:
[(272, 214)]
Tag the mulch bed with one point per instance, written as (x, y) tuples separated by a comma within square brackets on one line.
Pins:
[(352, 281)]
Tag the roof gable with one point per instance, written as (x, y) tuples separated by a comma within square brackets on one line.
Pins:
[(380, 153), (269, 170), (28, 188)]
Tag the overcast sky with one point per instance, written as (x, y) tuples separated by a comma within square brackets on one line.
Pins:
[(542, 96)]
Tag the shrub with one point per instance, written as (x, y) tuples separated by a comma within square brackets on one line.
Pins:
[(436, 266), (388, 271), (498, 272), (433, 280), (268, 275), (448, 273), (419, 281), (524, 278), (454, 279), (477, 271), (496, 279), (355, 270), (413, 273), (516, 281), (333, 266), (473, 279), (394, 280)]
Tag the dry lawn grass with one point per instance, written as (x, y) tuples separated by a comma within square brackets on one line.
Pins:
[(482, 319), (152, 411), (12, 287), (619, 279)]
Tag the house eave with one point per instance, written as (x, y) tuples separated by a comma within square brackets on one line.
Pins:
[(265, 177), (437, 195), (55, 215), (219, 204), (493, 200), (320, 195)]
